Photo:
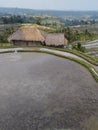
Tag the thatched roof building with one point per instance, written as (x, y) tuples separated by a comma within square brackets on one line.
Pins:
[(56, 39), (31, 35), (27, 36)]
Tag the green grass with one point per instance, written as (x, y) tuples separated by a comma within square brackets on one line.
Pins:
[(7, 52), (6, 45)]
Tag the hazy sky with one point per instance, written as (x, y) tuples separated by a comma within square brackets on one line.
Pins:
[(52, 4)]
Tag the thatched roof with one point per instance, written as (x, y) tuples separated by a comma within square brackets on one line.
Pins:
[(55, 39), (27, 33)]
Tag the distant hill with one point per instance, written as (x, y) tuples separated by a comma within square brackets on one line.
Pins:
[(20, 11)]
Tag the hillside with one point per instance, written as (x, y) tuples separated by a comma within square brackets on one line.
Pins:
[(68, 14)]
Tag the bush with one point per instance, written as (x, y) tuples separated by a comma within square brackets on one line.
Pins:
[(78, 46), (5, 34)]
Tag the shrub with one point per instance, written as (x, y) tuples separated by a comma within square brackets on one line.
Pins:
[(78, 46)]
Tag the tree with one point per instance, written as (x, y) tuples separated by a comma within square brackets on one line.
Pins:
[(38, 20), (78, 46), (68, 33), (6, 33)]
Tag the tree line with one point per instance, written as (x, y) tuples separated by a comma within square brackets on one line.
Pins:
[(77, 35), (11, 19)]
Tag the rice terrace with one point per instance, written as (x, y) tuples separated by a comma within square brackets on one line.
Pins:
[(48, 66), (41, 91)]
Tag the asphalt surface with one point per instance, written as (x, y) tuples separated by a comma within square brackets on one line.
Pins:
[(44, 92)]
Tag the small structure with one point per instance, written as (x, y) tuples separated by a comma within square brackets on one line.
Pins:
[(27, 36), (56, 39), (32, 36)]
